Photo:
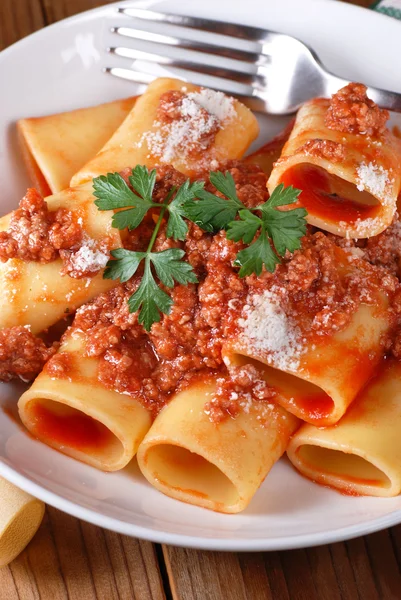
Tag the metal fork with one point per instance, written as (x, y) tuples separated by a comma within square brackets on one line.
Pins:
[(271, 72)]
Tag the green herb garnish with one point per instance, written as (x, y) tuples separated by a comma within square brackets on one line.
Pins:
[(276, 231), (112, 193)]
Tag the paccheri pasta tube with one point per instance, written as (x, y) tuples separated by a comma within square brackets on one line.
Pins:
[(56, 146), (180, 124), (346, 163), (362, 453), (316, 360), (69, 409), (38, 287), (218, 466)]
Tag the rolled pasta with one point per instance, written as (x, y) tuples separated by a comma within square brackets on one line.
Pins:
[(349, 181), (54, 147), (36, 294), (361, 455), (20, 518), (70, 410), (179, 124), (214, 465), (316, 377)]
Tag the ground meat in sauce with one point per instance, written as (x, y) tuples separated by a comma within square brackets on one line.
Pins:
[(351, 111), (22, 354), (60, 365), (383, 250), (327, 149), (235, 390), (250, 182), (187, 343), (37, 234)]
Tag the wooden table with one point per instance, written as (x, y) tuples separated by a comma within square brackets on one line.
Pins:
[(73, 560)]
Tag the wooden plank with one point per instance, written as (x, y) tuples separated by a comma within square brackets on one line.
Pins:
[(384, 565), (72, 560), (19, 18), (365, 569), (55, 10)]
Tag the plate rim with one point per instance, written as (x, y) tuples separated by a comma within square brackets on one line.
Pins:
[(73, 508), (293, 542)]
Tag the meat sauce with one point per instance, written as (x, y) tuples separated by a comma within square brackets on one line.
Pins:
[(188, 342), (22, 354), (37, 234), (351, 111)]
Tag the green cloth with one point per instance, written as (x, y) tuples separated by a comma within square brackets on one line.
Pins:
[(391, 8)]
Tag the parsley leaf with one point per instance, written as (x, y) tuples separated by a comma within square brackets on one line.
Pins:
[(210, 212), (149, 299), (225, 184), (176, 226), (282, 196), (259, 253), (125, 266), (285, 227), (245, 229), (112, 192), (143, 181), (169, 267)]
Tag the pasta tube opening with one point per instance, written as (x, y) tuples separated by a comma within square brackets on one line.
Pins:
[(327, 465), (63, 426), (216, 465), (190, 473), (328, 196), (350, 179), (361, 455), (70, 410), (307, 400)]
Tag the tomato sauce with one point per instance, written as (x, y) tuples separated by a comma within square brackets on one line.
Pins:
[(315, 406), (73, 429), (320, 199)]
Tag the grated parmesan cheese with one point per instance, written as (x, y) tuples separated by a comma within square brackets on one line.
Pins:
[(266, 328), (201, 112), (89, 259), (215, 103), (374, 179)]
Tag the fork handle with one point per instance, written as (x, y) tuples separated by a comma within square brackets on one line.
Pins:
[(383, 98)]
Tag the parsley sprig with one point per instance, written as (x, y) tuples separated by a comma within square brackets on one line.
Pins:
[(112, 193), (277, 230), (267, 231)]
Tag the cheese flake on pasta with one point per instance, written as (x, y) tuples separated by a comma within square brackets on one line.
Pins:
[(374, 179), (265, 326)]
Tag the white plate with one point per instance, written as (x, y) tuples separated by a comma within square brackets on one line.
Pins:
[(59, 68)]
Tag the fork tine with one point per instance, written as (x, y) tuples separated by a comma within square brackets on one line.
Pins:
[(243, 32), (146, 75), (209, 48), (253, 102), (184, 63), (129, 74)]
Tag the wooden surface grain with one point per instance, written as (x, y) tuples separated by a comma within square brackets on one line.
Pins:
[(72, 560)]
